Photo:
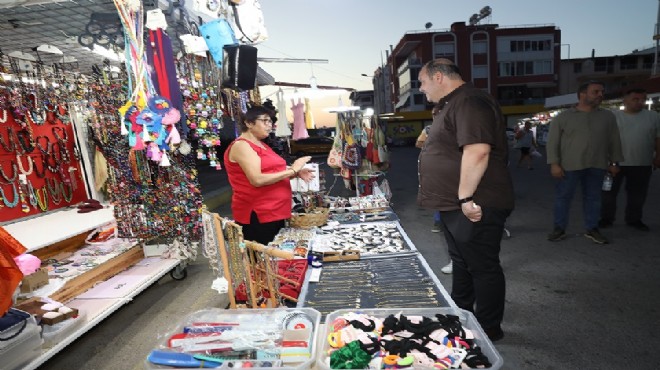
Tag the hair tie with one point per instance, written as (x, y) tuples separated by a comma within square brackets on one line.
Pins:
[(350, 356)]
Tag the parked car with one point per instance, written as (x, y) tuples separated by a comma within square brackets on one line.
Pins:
[(311, 145)]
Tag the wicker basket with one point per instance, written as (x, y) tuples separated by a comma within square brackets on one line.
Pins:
[(316, 217)]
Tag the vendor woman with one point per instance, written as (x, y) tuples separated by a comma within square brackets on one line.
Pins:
[(259, 178)]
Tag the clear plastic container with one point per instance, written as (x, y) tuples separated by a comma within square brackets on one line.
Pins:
[(24, 348), (53, 334), (269, 319), (467, 320)]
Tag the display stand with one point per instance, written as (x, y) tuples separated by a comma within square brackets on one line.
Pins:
[(98, 302)]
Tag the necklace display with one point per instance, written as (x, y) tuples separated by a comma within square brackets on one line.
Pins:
[(11, 147), (3, 116), (5, 200), (42, 200), (14, 171), (20, 165)]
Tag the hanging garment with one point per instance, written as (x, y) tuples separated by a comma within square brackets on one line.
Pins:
[(309, 118), (299, 129), (160, 57), (282, 126)]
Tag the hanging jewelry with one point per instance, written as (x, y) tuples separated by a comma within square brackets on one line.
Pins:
[(3, 117), (14, 172), (45, 161), (42, 202), (41, 174), (62, 114), (67, 198), (54, 191), (49, 145), (11, 147), (13, 203), (24, 206), (20, 165), (31, 196), (27, 145)]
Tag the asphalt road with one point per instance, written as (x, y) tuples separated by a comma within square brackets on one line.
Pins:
[(570, 304)]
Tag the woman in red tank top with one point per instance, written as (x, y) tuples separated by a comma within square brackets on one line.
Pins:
[(259, 178)]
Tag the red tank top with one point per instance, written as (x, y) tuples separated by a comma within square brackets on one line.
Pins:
[(271, 202)]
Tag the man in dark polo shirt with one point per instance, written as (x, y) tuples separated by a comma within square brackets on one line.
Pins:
[(463, 174)]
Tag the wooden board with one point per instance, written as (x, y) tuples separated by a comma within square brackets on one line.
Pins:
[(83, 282)]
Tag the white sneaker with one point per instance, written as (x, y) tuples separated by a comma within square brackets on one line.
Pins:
[(448, 269)]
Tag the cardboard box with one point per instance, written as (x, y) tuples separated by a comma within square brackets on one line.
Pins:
[(34, 281)]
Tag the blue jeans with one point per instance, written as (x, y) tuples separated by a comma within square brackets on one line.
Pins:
[(436, 217), (591, 180)]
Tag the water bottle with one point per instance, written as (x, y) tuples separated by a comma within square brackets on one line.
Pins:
[(607, 182)]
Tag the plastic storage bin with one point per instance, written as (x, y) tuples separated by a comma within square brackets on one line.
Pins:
[(467, 320), (254, 321), (22, 349), (53, 334)]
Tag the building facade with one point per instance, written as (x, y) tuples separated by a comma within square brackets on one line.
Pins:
[(519, 65)]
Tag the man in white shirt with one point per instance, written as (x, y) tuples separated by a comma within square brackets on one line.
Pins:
[(640, 139)]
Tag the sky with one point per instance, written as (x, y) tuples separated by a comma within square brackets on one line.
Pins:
[(353, 35)]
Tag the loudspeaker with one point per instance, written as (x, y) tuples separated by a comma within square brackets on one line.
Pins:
[(239, 67)]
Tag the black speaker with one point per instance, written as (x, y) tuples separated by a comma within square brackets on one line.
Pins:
[(239, 67)]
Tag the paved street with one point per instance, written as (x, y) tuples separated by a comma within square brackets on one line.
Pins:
[(570, 305)]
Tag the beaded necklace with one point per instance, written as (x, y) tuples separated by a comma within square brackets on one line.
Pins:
[(31, 196), (62, 113), (42, 202), (14, 171), (10, 137), (51, 168), (41, 174), (20, 165), (67, 198), (26, 145), (13, 203), (49, 145), (55, 195), (4, 116)]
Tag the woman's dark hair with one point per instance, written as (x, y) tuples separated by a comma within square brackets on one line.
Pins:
[(252, 114)]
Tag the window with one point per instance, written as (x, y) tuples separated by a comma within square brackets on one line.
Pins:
[(628, 62), (480, 72), (577, 67), (479, 47), (504, 69), (444, 49)]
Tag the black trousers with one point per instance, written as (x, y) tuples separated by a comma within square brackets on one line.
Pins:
[(478, 283), (262, 233), (637, 180)]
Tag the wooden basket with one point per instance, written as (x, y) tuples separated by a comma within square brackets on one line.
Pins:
[(316, 217)]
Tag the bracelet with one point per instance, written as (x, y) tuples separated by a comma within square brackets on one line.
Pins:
[(465, 200), (295, 173)]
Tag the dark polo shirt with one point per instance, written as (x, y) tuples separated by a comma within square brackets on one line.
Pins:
[(468, 116)]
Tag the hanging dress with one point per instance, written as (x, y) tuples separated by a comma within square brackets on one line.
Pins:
[(299, 129), (309, 118), (282, 128)]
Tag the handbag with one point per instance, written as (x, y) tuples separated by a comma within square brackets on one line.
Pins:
[(334, 157), (248, 22), (217, 34)]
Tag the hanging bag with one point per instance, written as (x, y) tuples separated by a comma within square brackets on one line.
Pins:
[(351, 157), (334, 157), (217, 34), (248, 22)]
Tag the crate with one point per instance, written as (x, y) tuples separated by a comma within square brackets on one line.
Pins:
[(467, 320), (252, 319)]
